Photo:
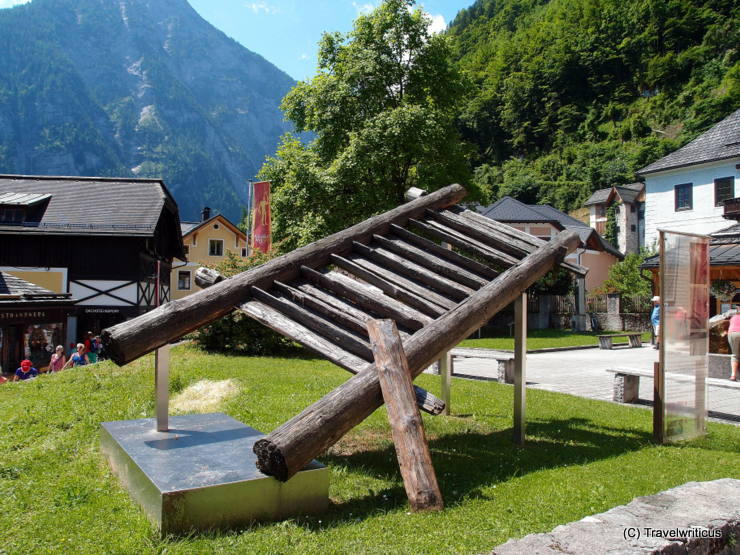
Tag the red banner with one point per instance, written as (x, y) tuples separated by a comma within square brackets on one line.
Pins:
[(261, 217)]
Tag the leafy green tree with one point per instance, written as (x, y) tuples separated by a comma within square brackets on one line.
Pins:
[(627, 278), (610, 234), (382, 109)]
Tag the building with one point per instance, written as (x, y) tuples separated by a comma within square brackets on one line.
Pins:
[(629, 214), (544, 221), (206, 243), (97, 240), (685, 191)]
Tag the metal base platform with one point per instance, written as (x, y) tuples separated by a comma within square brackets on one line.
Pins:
[(201, 474)]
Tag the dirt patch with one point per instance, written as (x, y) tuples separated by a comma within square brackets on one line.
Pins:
[(203, 396)]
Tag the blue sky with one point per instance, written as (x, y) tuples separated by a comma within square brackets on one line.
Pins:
[(287, 32)]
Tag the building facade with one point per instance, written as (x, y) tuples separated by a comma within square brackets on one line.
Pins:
[(686, 190), (628, 202), (107, 243), (206, 243)]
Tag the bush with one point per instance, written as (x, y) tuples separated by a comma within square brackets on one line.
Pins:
[(237, 333)]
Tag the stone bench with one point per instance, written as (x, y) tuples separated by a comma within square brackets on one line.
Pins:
[(627, 383), (698, 518), (606, 341), (504, 362)]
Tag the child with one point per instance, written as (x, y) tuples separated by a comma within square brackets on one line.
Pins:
[(25, 372)]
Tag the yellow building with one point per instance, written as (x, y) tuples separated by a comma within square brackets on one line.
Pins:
[(206, 244)]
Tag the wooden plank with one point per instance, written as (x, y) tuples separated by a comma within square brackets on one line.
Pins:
[(329, 311), (480, 233), (338, 303), (295, 331), (340, 337), (456, 239), (388, 287), (456, 258), (131, 339), (287, 449), (407, 428), (430, 261), (415, 272), (378, 304)]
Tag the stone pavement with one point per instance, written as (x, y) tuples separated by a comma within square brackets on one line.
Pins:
[(583, 373)]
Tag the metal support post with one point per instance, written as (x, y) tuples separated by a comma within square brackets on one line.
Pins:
[(520, 368), (161, 386), (445, 372)]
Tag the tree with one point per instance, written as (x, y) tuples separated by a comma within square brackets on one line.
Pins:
[(382, 109), (627, 278)]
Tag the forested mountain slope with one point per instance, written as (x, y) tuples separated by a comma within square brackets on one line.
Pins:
[(574, 95), (136, 87)]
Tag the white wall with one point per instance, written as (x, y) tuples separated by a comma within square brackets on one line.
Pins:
[(704, 217)]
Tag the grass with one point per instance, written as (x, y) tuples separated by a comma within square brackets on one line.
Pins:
[(545, 339), (582, 457)]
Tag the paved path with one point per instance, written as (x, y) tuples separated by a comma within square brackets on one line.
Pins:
[(583, 373)]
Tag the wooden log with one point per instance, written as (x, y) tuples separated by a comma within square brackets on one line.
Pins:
[(430, 261), (131, 339), (342, 338), (452, 237), (378, 304), (416, 272), (407, 429), (456, 258), (289, 447), (521, 238), (392, 290), (293, 330)]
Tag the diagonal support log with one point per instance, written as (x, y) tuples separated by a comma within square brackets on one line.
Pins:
[(291, 446), (129, 340)]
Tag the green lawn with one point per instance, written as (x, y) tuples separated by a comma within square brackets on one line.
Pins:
[(544, 339), (582, 457)]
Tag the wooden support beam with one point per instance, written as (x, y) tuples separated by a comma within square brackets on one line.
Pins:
[(275, 320), (461, 241), (480, 233), (129, 340), (407, 429), (287, 449), (338, 303), (456, 258), (413, 271), (430, 261), (391, 289), (378, 304), (445, 374), (520, 368)]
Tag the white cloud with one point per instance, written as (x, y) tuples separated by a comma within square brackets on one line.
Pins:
[(364, 8), (438, 24), (11, 3), (303, 56), (259, 7)]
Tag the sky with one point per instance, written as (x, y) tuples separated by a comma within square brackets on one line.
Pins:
[(287, 32)]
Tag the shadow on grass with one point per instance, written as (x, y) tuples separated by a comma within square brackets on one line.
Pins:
[(467, 463)]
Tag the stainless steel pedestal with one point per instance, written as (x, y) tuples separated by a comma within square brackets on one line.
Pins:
[(201, 474)]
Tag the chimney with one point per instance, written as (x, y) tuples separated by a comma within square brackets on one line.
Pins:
[(205, 214)]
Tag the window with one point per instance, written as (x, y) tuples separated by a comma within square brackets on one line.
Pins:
[(216, 247), (633, 228), (183, 280), (216, 226), (12, 215), (684, 197), (186, 250), (244, 252), (600, 210), (724, 188), (632, 208)]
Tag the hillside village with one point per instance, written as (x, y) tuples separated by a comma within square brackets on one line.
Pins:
[(502, 188)]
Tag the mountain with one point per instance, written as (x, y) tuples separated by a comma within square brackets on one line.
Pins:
[(141, 88), (570, 96)]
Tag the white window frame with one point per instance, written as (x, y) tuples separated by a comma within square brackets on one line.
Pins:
[(190, 280), (211, 242)]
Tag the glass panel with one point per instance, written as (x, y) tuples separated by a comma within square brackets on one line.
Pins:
[(724, 188), (684, 314)]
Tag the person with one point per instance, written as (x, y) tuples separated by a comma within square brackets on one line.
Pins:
[(92, 348), (58, 359), (79, 358), (26, 371), (655, 320), (733, 338)]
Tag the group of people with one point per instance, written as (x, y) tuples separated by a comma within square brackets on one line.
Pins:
[(84, 353)]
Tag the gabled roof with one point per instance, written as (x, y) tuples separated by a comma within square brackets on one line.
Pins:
[(628, 193), (189, 227), (510, 210), (599, 197), (718, 143), (724, 248), (14, 289), (22, 199)]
